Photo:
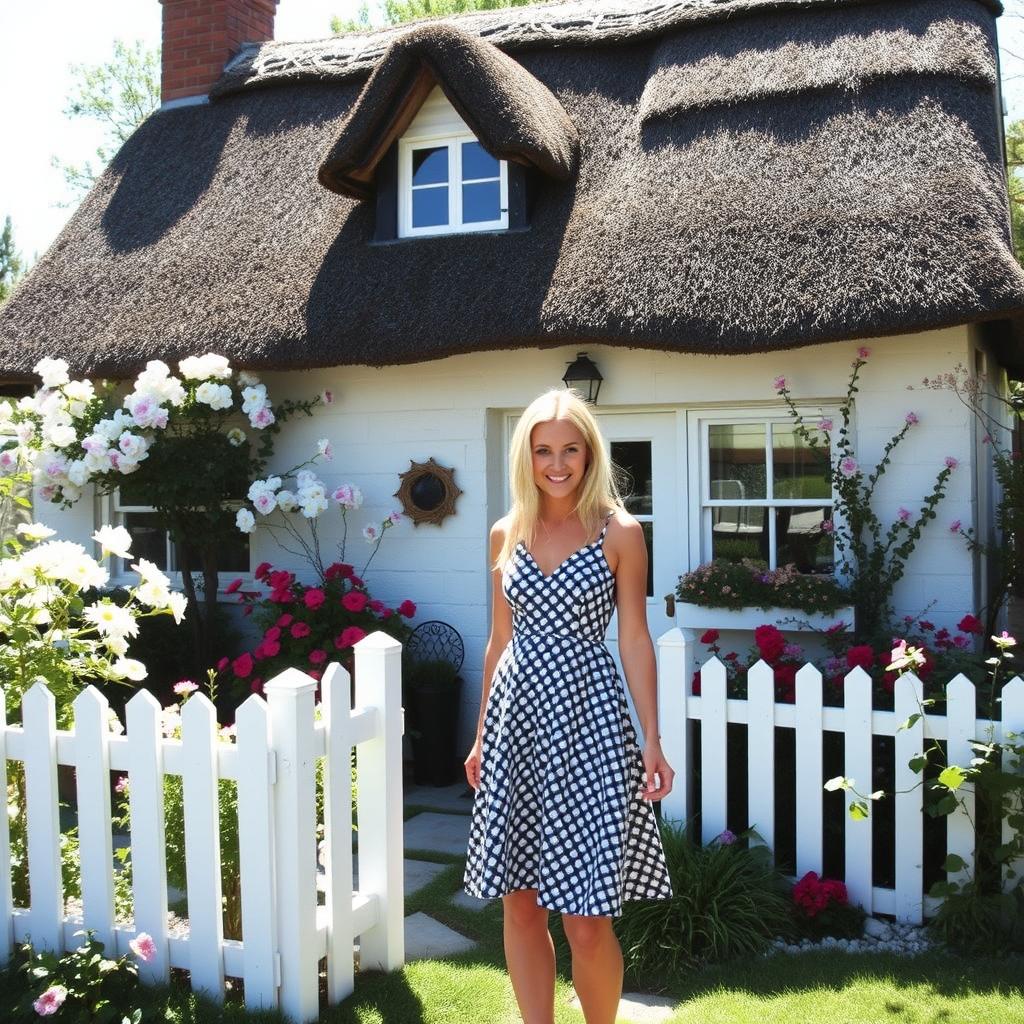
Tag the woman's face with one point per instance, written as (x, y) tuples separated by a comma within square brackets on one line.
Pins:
[(559, 457)]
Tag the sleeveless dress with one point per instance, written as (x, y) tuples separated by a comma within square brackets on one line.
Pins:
[(558, 807)]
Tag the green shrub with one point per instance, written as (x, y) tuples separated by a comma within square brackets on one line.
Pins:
[(729, 901)]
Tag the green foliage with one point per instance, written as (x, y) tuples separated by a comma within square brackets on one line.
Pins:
[(729, 901), (84, 986), (1014, 163), (749, 584), (12, 267), (119, 94), (398, 11)]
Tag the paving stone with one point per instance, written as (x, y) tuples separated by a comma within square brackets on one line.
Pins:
[(464, 900), (639, 1008), (415, 875), (457, 797), (426, 938), (443, 833)]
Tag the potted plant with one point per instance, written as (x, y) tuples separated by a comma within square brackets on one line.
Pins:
[(432, 690)]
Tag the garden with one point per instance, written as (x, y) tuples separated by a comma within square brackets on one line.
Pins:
[(739, 939)]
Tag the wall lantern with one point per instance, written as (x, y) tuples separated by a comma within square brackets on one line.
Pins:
[(584, 376)]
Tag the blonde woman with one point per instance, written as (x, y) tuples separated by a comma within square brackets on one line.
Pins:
[(563, 817)]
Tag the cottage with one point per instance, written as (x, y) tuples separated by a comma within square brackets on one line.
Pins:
[(435, 220)]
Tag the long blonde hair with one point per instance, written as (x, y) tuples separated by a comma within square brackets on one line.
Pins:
[(598, 494)]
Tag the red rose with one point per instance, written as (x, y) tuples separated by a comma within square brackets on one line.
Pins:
[(233, 586), (770, 642), (356, 581), (970, 624), (299, 630), (355, 600), (377, 606), (710, 636), (280, 579), (223, 664), (731, 656), (927, 625), (317, 656), (273, 633), (695, 688), (314, 673), (256, 686), (313, 598), (349, 635), (271, 648), (863, 656), (262, 570), (285, 620), (242, 666), (342, 569), (281, 596), (407, 608)]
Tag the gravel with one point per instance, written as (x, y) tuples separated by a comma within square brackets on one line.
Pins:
[(879, 937)]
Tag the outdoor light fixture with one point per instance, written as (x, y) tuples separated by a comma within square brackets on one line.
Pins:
[(584, 376)]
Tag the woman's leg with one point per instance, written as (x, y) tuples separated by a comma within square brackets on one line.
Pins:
[(530, 956), (596, 966)]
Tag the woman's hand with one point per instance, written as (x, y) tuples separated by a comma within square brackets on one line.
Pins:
[(655, 764), (472, 764)]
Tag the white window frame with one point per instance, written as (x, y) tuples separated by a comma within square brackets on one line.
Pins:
[(116, 516), (699, 424), (453, 142)]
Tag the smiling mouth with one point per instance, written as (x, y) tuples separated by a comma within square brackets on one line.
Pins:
[(557, 479)]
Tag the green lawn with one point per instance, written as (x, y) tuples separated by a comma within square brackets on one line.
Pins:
[(786, 989)]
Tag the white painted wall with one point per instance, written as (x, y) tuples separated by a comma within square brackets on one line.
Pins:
[(456, 409)]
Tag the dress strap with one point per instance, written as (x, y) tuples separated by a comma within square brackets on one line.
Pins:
[(604, 529)]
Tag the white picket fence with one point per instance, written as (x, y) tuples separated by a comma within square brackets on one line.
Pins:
[(680, 709), (284, 932)]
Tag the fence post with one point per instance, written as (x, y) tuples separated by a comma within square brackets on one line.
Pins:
[(290, 697), (809, 782), (857, 747), (6, 896), (908, 801), (961, 712), (379, 800), (713, 750), (46, 890), (675, 670), (761, 752)]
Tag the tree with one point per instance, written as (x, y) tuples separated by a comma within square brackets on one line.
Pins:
[(120, 94), (12, 267), (397, 11), (1014, 164)]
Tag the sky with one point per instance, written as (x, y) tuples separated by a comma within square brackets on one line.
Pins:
[(39, 41)]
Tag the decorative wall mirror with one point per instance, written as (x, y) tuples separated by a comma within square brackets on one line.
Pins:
[(428, 492)]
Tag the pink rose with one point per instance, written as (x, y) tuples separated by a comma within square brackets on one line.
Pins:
[(50, 1001), (284, 621), (299, 630), (354, 601), (317, 657), (274, 633), (407, 608), (143, 947), (242, 666), (313, 598)]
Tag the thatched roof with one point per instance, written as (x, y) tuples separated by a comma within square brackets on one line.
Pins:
[(513, 115), (752, 175)]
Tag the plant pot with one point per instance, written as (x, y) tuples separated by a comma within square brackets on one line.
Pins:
[(434, 733), (698, 616)]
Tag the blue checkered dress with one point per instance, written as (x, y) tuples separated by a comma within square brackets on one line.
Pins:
[(558, 808)]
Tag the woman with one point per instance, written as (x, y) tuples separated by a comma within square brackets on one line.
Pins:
[(563, 816)]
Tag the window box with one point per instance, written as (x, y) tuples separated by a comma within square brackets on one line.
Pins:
[(699, 616)]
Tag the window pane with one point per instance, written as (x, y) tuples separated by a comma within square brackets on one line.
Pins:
[(801, 540), (738, 533), (232, 555), (632, 461), (477, 162), (481, 202), (430, 166), (149, 539), (798, 471), (429, 207), (737, 461)]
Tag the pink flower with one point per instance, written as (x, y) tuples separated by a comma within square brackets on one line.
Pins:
[(223, 664), (349, 635), (863, 352), (274, 633), (50, 1001), (951, 463), (299, 630), (912, 418), (779, 384), (827, 526), (256, 685), (354, 601), (233, 586), (313, 598), (709, 636), (903, 515), (961, 641), (242, 666), (262, 417), (407, 608), (185, 687), (377, 606), (262, 570), (271, 648), (121, 786), (970, 624), (848, 466), (143, 947), (317, 656), (954, 527), (987, 439), (825, 423), (284, 621), (327, 397)]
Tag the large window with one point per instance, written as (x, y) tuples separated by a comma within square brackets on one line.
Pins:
[(450, 184), (632, 465), (765, 494), (152, 542)]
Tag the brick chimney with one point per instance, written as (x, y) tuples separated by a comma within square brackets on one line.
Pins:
[(201, 36)]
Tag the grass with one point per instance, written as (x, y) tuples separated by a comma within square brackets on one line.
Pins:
[(473, 988)]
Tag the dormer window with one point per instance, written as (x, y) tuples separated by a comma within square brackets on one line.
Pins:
[(450, 184)]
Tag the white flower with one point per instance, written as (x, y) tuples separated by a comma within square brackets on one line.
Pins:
[(114, 723), (146, 410), (286, 501), (97, 461), (110, 620), (117, 645), (323, 447), (305, 478), (247, 379), (236, 437), (129, 668), (126, 466), (133, 447), (216, 396), (245, 521), (152, 595), (25, 431), (113, 540), (6, 413), (178, 603), (110, 430), (34, 531), (79, 394), (265, 502), (348, 495), (60, 435), (205, 367), (254, 398), (327, 397), (70, 493), (151, 573), (268, 486), (313, 505), (54, 372), (78, 473), (395, 517), (86, 572), (261, 418), (370, 533), (51, 560)]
